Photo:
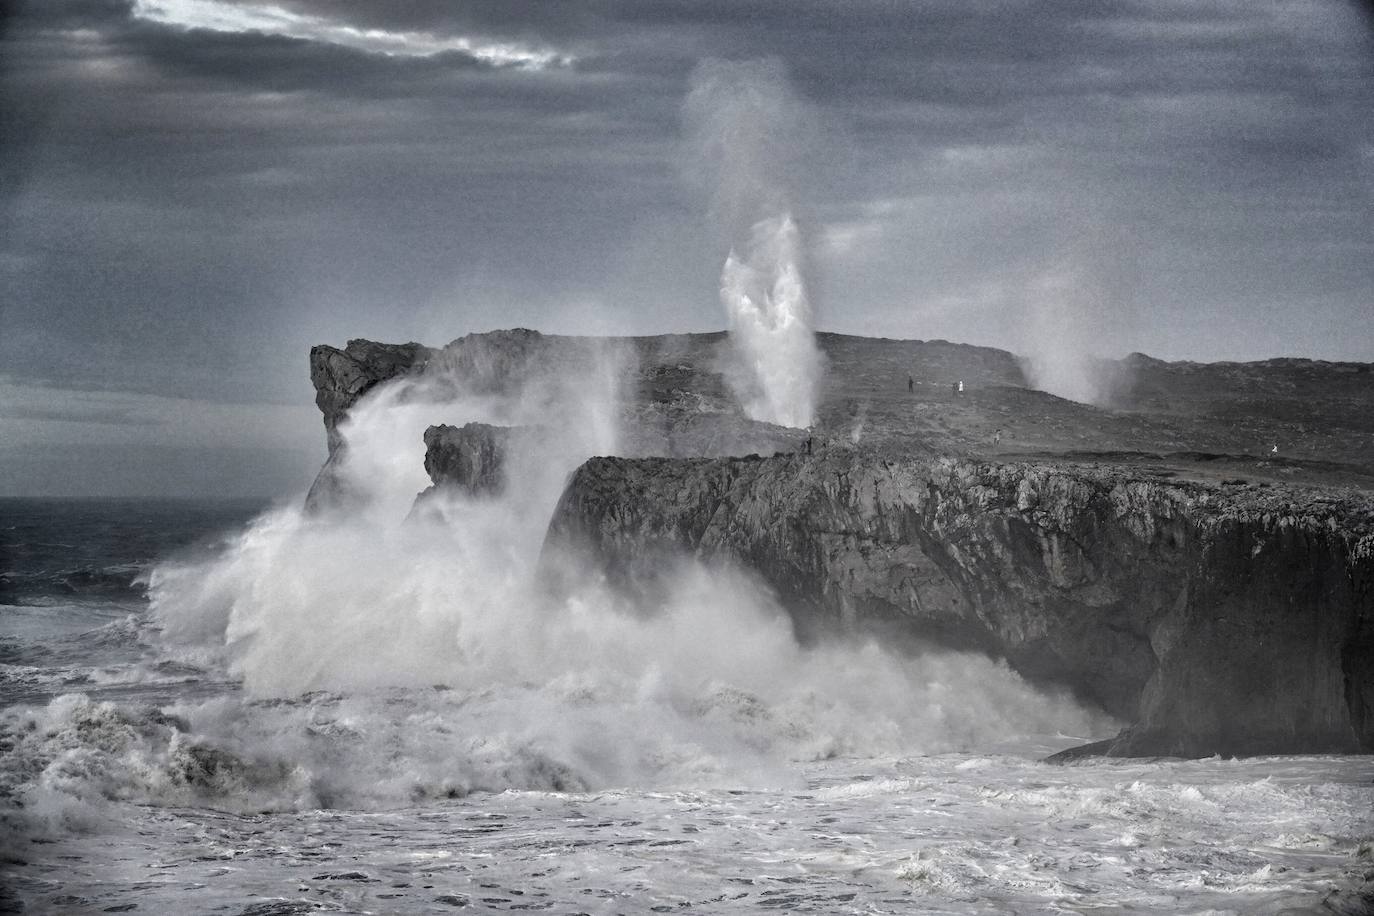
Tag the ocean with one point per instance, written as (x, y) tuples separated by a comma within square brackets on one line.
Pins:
[(234, 708)]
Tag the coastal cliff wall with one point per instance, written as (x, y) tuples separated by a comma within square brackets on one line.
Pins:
[(1215, 618), (1204, 572), (481, 363)]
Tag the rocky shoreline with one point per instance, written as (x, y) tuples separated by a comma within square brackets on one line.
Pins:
[(1154, 557), (1217, 619)]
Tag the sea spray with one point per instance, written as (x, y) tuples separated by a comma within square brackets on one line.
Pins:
[(1058, 335), (1075, 306), (770, 318), (745, 132), (387, 655)]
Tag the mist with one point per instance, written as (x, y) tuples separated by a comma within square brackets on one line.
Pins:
[(745, 134), (522, 684), (1064, 326), (1079, 309)]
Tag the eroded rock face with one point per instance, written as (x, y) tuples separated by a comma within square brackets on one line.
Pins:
[(482, 363), (472, 458), (341, 378), (1217, 619)]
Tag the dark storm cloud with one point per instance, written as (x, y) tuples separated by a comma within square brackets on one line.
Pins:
[(186, 210)]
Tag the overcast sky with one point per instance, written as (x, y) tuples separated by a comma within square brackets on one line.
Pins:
[(192, 192)]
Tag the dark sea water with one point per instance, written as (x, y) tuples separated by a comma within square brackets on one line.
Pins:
[(73, 577), (95, 550), (376, 718)]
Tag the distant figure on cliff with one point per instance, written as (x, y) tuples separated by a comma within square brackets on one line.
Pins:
[(910, 384), (997, 437), (808, 442), (1275, 449)]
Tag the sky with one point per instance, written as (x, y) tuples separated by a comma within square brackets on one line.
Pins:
[(193, 192)]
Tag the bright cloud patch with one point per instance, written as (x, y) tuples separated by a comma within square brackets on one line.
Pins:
[(221, 16)]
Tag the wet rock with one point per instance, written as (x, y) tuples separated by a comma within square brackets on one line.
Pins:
[(1217, 621), (283, 908), (471, 458), (341, 378), (483, 363)]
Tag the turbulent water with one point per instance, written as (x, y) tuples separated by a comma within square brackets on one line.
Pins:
[(403, 709)]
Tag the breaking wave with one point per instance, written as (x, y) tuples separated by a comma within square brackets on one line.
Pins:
[(387, 656)]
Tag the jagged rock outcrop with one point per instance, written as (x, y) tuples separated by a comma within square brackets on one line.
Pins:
[(341, 377), (472, 458), (1216, 618), (488, 363)]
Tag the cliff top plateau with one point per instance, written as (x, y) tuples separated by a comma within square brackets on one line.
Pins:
[(1203, 421)]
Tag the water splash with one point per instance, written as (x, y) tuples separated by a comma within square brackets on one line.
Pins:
[(746, 132), (765, 299), (347, 622)]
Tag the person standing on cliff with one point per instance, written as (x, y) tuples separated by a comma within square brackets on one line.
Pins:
[(910, 384)]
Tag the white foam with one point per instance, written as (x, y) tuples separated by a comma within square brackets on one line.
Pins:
[(540, 690)]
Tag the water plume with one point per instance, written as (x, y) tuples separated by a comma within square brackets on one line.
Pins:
[(746, 132), (1065, 321), (771, 326)]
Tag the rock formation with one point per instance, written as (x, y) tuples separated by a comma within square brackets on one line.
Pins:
[(470, 457), (1218, 618), (1156, 557), (341, 378), (482, 363)]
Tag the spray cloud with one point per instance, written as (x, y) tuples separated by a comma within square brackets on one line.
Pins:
[(1070, 312), (746, 130), (347, 620)]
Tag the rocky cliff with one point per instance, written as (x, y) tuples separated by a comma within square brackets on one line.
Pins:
[(341, 378), (1217, 618), (1196, 558), (471, 457), (494, 363)]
